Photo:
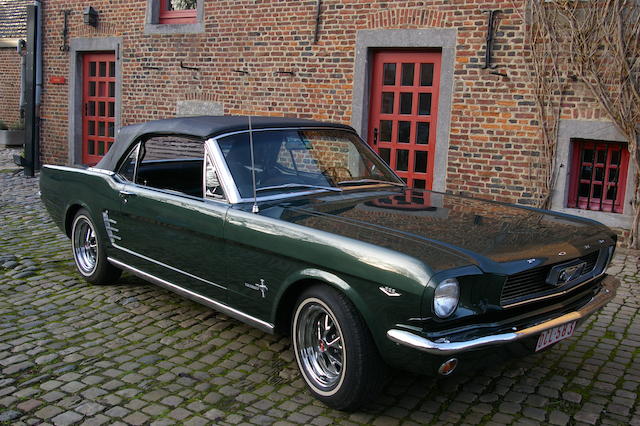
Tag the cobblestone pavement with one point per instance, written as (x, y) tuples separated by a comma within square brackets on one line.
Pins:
[(135, 354)]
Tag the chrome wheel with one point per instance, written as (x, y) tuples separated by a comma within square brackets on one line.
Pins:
[(85, 245), (319, 345), (334, 349)]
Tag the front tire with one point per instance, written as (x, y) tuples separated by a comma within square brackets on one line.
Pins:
[(89, 251), (334, 349)]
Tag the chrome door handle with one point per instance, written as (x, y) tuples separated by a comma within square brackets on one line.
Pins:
[(126, 194)]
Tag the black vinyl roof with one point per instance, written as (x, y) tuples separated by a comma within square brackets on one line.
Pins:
[(202, 127)]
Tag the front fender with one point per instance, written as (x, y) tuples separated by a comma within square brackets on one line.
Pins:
[(314, 274), (379, 310)]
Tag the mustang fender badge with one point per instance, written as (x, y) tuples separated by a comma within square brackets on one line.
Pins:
[(262, 288), (389, 291)]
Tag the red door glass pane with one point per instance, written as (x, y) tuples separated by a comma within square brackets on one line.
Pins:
[(403, 114), (98, 105)]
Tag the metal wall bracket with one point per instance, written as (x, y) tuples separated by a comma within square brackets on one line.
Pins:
[(65, 31), (316, 31), (183, 66), (489, 41)]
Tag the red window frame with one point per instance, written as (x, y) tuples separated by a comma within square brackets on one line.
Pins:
[(167, 16), (598, 175)]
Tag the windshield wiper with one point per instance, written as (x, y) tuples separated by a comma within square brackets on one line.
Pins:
[(369, 182), (297, 186)]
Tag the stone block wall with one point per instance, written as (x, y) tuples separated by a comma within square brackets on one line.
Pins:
[(9, 86)]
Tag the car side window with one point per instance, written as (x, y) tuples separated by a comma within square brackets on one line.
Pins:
[(128, 167), (172, 163), (212, 186)]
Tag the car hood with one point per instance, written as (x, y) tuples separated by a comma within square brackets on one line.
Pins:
[(447, 231)]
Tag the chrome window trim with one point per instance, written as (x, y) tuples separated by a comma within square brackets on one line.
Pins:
[(136, 148), (228, 183), (268, 129), (135, 165), (286, 195), (90, 170), (196, 297), (182, 196), (208, 157), (123, 180), (142, 187), (101, 171)]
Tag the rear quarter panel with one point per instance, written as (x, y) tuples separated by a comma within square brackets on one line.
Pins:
[(63, 188)]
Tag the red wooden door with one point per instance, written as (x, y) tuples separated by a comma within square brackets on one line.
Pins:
[(402, 119), (98, 105)]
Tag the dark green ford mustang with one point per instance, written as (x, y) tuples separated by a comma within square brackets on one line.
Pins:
[(299, 227)]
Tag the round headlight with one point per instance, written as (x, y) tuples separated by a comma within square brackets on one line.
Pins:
[(445, 298)]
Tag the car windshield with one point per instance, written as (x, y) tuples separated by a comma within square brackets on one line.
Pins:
[(294, 160)]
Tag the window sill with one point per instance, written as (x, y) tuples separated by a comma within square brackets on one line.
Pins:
[(610, 219), (174, 28)]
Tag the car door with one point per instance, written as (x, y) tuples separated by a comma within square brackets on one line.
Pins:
[(164, 225)]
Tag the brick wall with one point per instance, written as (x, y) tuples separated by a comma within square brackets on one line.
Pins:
[(9, 85), (494, 136)]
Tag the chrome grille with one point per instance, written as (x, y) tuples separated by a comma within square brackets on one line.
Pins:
[(532, 283), (591, 260)]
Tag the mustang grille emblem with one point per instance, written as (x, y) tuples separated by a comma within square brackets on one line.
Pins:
[(564, 273)]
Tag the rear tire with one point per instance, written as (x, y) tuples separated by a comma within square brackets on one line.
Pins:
[(334, 349), (89, 251)]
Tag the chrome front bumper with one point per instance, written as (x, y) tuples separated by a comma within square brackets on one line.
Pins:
[(609, 285)]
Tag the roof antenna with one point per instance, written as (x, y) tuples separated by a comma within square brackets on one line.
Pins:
[(254, 208)]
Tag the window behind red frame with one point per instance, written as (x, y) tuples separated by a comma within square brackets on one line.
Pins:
[(168, 15), (598, 175)]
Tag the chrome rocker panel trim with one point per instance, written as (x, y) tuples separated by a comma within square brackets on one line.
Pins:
[(220, 307), (164, 265), (406, 338)]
